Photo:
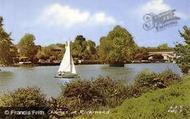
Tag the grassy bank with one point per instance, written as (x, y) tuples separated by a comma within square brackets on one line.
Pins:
[(168, 103)]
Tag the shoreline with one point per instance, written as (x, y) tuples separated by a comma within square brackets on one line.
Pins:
[(57, 64)]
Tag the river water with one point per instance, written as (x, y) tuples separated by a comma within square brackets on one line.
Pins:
[(42, 77)]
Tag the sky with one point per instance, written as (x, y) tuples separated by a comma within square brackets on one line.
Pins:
[(57, 21)]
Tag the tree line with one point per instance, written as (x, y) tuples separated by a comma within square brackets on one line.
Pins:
[(26, 50), (118, 46)]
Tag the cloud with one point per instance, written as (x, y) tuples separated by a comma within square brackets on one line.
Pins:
[(158, 6), (101, 17), (64, 15), (155, 6)]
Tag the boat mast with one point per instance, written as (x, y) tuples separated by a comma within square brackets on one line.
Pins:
[(70, 56)]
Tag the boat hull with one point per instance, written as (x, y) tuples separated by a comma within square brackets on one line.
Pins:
[(68, 76)]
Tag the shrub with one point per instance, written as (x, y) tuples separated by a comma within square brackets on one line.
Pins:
[(185, 67), (146, 80), (113, 91), (108, 93), (83, 94), (168, 77), (24, 97)]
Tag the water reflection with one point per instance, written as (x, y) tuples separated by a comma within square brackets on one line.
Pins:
[(5, 76)]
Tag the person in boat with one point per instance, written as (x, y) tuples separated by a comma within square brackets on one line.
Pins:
[(61, 73)]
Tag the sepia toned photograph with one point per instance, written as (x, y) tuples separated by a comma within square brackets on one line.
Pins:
[(103, 59)]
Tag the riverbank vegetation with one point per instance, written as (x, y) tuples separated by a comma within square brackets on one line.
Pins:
[(172, 102), (8, 52), (24, 97), (183, 50), (100, 94)]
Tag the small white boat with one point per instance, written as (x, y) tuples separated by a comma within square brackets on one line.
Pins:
[(67, 67)]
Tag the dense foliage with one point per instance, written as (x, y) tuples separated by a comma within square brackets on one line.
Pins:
[(51, 52), (83, 49), (8, 52), (147, 80), (141, 54), (83, 94), (183, 50), (27, 47), (24, 97), (117, 47)]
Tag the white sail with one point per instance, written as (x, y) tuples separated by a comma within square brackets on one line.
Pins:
[(67, 64), (73, 67)]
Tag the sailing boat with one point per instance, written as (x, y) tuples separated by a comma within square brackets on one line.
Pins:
[(67, 67)]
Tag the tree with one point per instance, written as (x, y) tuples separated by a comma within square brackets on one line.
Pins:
[(117, 47), (141, 54), (91, 47), (82, 48), (8, 52), (27, 47), (44, 53), (78, 47), (104, 48), (186, 34), (183, 50), (163, 46)]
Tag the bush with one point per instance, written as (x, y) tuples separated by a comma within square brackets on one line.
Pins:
[(24, 97), (168, 77), (114, 92), (108, 93), (185, 67), (147, 80), (83, 94)]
